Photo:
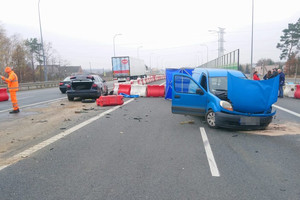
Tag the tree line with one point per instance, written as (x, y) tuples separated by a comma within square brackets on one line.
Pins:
[(25, 55), (290, 47)]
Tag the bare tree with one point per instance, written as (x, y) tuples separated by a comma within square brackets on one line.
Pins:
[(4, 49)]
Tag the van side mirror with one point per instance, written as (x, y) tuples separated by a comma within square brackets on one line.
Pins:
[(199, 91)]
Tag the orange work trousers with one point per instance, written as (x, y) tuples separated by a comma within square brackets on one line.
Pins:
[(14, 101)]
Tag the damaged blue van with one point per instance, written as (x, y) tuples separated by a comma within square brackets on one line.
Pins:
[(225, 97)]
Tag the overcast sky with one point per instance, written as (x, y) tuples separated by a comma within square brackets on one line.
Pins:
[(166, 33)]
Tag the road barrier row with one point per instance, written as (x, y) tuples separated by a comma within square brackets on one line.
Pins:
[(140, 90), (139, 87)]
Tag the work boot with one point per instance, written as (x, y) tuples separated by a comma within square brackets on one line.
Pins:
[(14, 111)]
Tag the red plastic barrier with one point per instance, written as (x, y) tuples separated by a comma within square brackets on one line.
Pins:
[(124, 88), (3, 94), (110, 100), (155, 90), (297, 92)]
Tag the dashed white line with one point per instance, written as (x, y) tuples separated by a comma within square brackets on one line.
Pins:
[(45, 143), (210, 156), (288, 111)]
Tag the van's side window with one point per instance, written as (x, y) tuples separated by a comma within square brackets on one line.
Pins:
[(185, 84), (204, 82)]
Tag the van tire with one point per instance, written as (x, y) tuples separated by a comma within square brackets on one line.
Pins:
[(210, 119)]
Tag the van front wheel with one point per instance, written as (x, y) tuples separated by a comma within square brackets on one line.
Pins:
[(211, 119)]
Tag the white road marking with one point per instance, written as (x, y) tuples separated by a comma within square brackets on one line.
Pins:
[(45, 143), (288, 111), (163, 83), (34, 104), (210, 156)]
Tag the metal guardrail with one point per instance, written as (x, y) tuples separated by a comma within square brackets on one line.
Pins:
[(34, 85)]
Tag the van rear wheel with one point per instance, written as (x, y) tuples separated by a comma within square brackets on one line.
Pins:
[(211, 119)]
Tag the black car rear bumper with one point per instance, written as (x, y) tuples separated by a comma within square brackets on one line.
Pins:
[(241, 122), (83, 94)]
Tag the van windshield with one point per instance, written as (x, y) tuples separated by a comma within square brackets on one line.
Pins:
[(217, 84)]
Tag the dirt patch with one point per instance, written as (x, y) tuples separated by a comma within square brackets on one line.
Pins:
[(43, 122), (278, 130)]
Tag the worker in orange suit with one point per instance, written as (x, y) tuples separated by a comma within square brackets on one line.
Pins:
[(13, 87)]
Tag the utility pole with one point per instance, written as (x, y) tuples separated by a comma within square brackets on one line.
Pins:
[(252, 34), (221, 40)]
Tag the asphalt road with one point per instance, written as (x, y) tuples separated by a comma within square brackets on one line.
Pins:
[(142, 151)]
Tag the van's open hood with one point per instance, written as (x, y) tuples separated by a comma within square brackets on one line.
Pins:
[(251, 96)]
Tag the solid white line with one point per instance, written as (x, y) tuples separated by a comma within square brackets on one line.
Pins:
[(34, 104), (163, 83), (210, 156), (286, 110), (53, 139)]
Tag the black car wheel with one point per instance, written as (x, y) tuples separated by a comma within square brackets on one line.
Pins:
[(211, 119), (70, 98), (63, 91)]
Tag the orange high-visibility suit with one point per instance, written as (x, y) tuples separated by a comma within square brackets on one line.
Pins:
[(13, 86)]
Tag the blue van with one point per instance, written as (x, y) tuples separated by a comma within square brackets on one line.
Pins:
[(225, 97)]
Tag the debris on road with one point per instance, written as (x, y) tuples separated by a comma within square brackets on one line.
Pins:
[(188, 122), (42, 121), (80, 111), (87, 108), (138, 118), (88, 100)]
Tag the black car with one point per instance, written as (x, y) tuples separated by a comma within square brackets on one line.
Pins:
[(63, 84), (86, 87)]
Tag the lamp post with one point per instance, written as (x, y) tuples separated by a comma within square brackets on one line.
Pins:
[(252, 34), (137, 51), (114, 43), (42, 43), (206, 51)]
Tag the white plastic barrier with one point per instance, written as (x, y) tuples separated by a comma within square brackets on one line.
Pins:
[(116, 88), (140, 90), (289, 90)]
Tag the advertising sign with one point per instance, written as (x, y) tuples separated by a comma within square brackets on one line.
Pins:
[(120, 66)]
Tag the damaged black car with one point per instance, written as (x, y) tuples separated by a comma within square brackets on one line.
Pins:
[(86, 87)]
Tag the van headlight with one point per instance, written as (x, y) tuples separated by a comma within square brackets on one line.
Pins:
[(226, 105)]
